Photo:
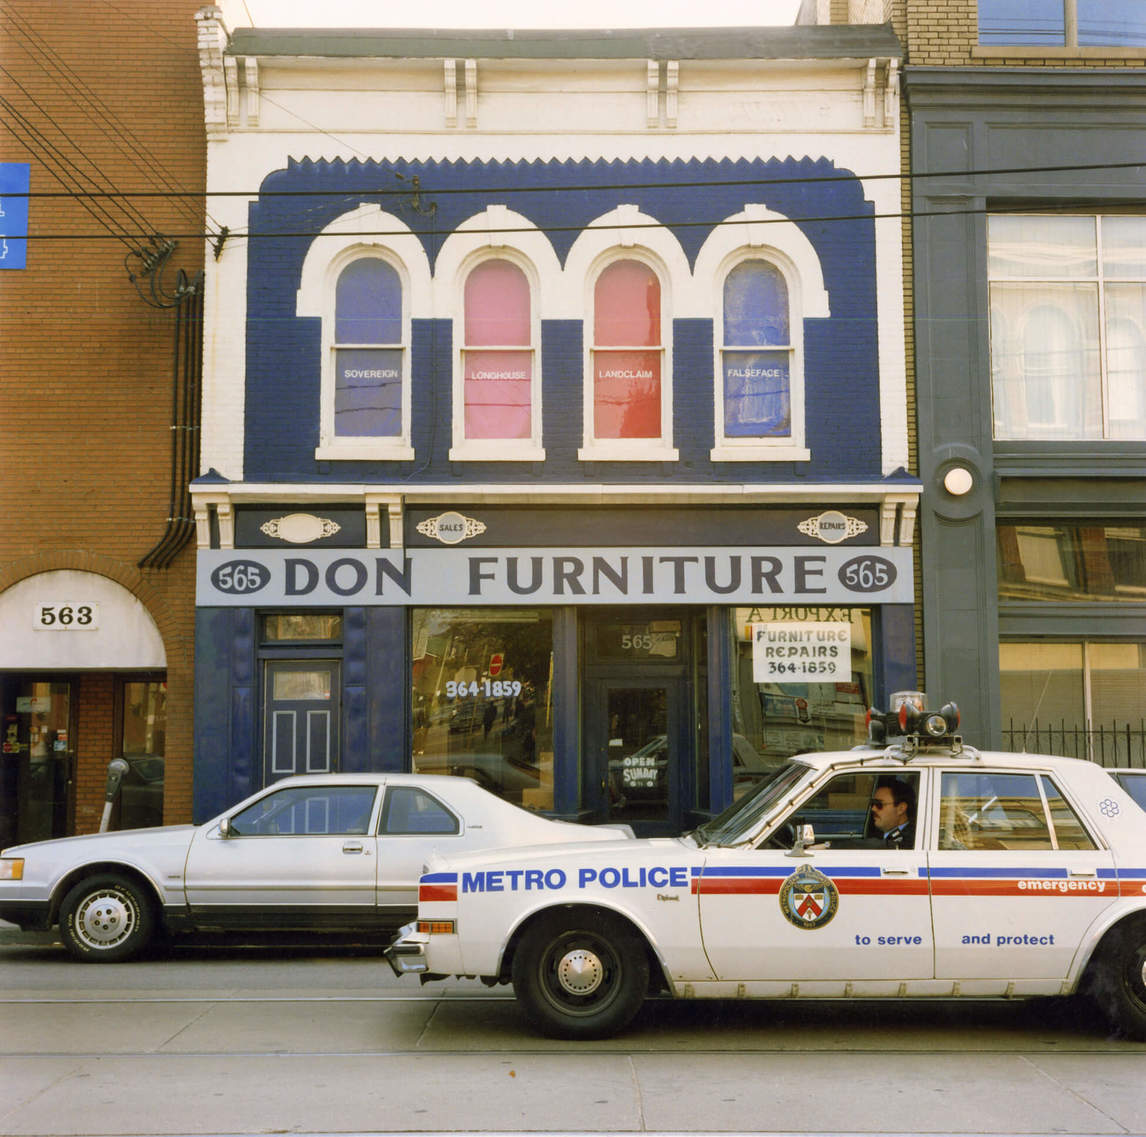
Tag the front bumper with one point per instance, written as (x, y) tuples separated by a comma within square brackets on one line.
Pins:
[(407, 954), (29, 915)]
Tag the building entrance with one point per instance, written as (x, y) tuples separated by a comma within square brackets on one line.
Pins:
[(638, 716)]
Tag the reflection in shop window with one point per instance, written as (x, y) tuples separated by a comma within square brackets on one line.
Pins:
[(481, 699), (293, 626), (801, 681), (144, 744), (1071, 562)]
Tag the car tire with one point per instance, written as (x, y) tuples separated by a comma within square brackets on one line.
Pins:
[(106, 919), (580, 974), (1119, 980)]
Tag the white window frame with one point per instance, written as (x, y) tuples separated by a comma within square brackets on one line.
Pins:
[(466, 449), (331, 251), (627, 449), (330, 444), (789, 448)]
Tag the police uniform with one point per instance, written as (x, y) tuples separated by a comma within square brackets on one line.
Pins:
[(901, 837)]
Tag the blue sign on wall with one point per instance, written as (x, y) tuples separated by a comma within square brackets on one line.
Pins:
[(15, 178)]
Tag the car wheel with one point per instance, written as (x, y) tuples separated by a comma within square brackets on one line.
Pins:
[(580, 974), (106, 919), (1119, 984)]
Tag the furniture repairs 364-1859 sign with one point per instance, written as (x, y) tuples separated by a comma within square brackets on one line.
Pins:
[(286, 578)]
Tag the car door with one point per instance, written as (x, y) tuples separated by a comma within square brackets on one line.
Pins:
[(414, 824), (849, 909), (299, 856), (1016, 877)]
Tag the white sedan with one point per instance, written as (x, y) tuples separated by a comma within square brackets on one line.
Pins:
[(333, 852), (924, 868)]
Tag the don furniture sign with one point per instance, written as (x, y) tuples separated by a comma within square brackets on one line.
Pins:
[(285, 578)]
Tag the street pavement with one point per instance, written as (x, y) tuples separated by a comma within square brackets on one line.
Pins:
[(215, 1040)]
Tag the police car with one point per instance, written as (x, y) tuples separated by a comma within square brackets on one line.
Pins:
[(911, 866)]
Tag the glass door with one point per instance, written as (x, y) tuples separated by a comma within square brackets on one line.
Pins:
[(634, 735), (38, 748)]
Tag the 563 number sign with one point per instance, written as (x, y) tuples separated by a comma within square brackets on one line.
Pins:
[(67, 617)]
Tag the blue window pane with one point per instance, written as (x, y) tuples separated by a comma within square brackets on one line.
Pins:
[(368, 393), (1108, 22), (755, 306), (757, 394), (368, 303), (1036, 22)]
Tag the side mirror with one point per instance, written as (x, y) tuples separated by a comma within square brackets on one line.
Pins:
[(225, 830), (805, 839)]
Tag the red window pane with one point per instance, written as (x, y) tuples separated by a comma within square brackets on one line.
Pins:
[(627, 306), (627, 394), (498, 386), (497, 306)]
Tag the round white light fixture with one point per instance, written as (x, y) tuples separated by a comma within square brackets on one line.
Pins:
[(958, 481)]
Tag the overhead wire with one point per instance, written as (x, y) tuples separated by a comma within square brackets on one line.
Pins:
[(91, 106)]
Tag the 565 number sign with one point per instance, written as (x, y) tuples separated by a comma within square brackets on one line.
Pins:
[(66, 617)]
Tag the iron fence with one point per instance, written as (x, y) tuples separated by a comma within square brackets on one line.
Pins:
[(1114, 745)]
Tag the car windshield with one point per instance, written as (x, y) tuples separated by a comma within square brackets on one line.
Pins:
[(742, 816)]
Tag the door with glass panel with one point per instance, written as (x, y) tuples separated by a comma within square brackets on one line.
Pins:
[(301, 715), (634, 735)]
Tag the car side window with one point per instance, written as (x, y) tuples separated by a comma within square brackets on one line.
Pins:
[(841, 812), (308, 811), (992, 810), (1069, 832), (409, 810)]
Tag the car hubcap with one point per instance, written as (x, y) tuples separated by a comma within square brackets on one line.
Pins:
[(580, 972), (104, 919)]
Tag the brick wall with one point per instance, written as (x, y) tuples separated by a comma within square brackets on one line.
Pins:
[(114, 93)]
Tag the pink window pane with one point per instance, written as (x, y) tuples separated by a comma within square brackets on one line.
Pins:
[(627, 306), (498, 388), (497, 306), (627, 394)]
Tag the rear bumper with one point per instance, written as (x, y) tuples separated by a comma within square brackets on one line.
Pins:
[(407, 954)]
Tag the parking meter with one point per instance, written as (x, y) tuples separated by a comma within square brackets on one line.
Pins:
[(116, 769)]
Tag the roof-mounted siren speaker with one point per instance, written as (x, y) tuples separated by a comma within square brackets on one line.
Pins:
[(876, 727)]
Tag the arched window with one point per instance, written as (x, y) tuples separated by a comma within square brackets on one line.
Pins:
[(756, 353), (369, 351), (630, 402), (498, 354)]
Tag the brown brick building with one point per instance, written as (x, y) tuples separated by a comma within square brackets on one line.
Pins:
[(98, 404)]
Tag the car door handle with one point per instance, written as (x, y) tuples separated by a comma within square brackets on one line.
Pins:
[(895, 872), (352, 847), (1082, 873)]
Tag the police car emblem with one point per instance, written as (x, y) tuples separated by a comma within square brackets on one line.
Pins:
[(808, 899)]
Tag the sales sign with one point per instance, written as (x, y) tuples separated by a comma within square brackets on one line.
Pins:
[(15, 178), (801, 653)]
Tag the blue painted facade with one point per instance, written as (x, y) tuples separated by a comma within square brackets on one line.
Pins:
[(281, 433), (283, 349)]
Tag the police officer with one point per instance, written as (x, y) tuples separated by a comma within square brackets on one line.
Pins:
[(893, 813)]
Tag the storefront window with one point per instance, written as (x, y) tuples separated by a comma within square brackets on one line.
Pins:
[(481, 695), (1071, 562), (1080, 699), (801, 681), (144, 743)]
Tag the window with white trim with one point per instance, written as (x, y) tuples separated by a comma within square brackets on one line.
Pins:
[(628, 404), (1068, 326), (366, 373), (759, 388), (497, 382)]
